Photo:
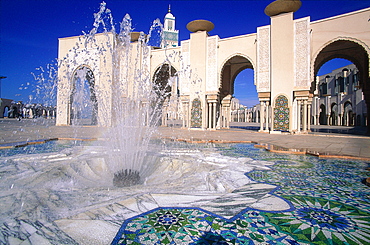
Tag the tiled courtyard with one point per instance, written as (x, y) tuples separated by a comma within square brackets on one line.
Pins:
[(222, 193), (327, 204)]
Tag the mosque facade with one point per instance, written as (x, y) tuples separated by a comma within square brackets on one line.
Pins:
[(285, 56), (338, 99)]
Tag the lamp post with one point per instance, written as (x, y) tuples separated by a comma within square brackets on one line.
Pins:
[(1, 78)]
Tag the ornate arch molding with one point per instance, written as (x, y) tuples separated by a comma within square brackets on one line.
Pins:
[(249, 64), (348, 48)]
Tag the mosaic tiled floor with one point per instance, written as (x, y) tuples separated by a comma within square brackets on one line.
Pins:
[(328, 205)]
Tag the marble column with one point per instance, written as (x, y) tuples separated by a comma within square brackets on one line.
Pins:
[(309, 117), (214, 115), (299, 116), (209, 115), (267, 116), (228, 117), (304, 120), (262, 115)]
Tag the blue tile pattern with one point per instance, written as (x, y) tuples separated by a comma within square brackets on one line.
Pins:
[(328, 205)]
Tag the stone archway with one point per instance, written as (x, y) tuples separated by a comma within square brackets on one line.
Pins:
[(83, 105), (353, 51), (230, 70)]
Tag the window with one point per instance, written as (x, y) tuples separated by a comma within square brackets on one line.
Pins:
[(341, 84), (355, 82), (170, 25)]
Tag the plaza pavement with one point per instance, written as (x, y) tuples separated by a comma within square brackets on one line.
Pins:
[(324, 141)]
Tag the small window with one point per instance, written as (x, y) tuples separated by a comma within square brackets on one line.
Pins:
[(341, 84), (170, 25), (355, 82)]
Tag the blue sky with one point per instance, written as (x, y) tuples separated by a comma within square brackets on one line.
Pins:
[(29, 29)]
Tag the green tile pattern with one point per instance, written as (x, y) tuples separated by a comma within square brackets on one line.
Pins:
[(329, 205)]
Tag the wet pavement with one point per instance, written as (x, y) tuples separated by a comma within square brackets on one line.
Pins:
[(336, 141)]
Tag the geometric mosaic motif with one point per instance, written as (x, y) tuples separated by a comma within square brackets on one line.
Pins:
[(196, 114), (281, 114), (328, 205)]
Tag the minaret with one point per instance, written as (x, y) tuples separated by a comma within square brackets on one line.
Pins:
[(170, 36)]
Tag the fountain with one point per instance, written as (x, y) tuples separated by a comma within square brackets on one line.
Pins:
[(129, 187), (136, 99)]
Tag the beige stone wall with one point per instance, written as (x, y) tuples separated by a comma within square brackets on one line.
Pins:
[(282, 55), (245, 46), (352, 26), (72, 54)]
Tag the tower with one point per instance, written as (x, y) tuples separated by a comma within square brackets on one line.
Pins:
[(170, 36)]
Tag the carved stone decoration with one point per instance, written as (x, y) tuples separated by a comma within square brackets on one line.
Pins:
[(185, 67), (211, 82), (263, 59), (302, 54)]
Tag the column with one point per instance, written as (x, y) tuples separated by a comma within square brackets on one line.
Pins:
[(309, 117), (186, 115), (299, 116), (262, 115), (164, 116), (209, 118), (267, 116), (272, 118), (304, 123), (214, 116), (228, 117)]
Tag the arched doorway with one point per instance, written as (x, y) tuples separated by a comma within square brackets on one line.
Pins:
[(348, 114), (322, 115), (355, 52), (83, 101), (6, 111), (237, 86), (334, 114), (165, 81)]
